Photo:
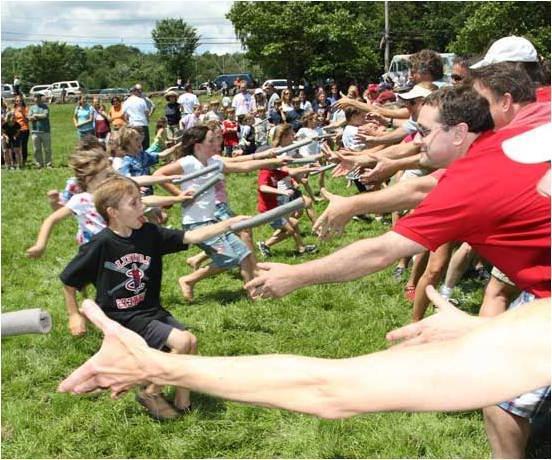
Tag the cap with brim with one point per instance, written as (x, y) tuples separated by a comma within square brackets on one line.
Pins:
[(509, 49), (417, 91), (534, 146), (259, 91), (170, 94)]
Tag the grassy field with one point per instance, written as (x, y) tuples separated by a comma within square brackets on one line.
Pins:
[(325, 321)]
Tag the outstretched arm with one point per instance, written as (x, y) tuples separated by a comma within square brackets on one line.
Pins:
[(351, 262), (475, 369), (49, 223)]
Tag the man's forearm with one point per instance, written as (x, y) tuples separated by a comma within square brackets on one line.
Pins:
[(395, 152), (473, 370), (399, 197)]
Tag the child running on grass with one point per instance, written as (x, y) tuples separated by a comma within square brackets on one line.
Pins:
[(199, 146), (90, 168), (124, 262)]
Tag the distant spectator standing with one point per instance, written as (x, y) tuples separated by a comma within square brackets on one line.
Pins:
[(11, 142), (173, 116), (136, 114), (244, 102), (224, 88), (306, 106), (179, 82), (39, 116), (334, 95), (260, 98), (214, 113), (149, 102), (187, 100), (191, 119), (16, 85), (116, 116), (63, 95), (83, 117), (272, 96), (101, 120), (230, 131), (21, 113)]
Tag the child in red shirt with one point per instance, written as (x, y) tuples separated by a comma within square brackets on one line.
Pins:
[(230, 131)]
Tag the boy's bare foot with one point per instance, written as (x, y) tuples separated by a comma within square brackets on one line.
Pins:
[(186, 288)]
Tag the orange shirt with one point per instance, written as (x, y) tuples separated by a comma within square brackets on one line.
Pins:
[(21, 116), (117, 119)]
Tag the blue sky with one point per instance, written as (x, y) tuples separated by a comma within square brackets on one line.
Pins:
[(107, 22)]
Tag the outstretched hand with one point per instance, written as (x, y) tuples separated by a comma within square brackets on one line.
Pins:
[(124, 359), (273, 280), (334, 218), (448, 323)]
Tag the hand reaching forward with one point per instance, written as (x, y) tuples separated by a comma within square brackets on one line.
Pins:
[(124, 359), (448, 323)]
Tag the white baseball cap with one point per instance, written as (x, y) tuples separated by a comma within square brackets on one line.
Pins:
[(509, 49), (534, 146), (258, 91), (417, 91)]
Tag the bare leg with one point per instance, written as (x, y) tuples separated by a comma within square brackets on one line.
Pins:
[(8, 158), (433, 273), (418, 268), (183, 343), (459, 263), (247, 268), (188, 282), (196, 261), (279, 235), (311, 213), (18, 158), (507, 433)]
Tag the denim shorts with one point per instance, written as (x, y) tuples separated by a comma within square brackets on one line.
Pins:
[(528, 405), (223, 212), (226, 250)]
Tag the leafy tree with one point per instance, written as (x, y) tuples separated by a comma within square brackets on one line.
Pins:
[(176, 42), (490, 21)]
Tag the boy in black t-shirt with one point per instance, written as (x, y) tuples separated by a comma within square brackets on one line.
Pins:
[(124, 262)]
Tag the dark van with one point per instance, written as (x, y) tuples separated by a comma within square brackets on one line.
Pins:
[(230, 78)]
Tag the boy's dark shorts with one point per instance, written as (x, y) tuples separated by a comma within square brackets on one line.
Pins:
[(157, 332)]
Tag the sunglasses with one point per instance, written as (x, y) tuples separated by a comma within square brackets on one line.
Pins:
[(456, 77)]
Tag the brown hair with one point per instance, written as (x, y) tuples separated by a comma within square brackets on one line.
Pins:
[(86, 164), (461, 104), (506, 77), (279, 132), (193, 136), (307, 116), (427, 62), (111, 191), (350, 112)]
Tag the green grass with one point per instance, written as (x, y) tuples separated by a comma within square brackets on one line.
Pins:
[(325, 321)]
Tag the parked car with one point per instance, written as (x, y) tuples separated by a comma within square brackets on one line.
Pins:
[(280, 84), (72, 88), (113, 92), (44, 90), (175, 89), (7, 90), (230, 78)]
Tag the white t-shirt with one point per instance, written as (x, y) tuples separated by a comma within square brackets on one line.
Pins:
[(306, 106), (137, 111), (338, 115), (203, 208), (244, 103), (348, 138), (314, 147), (187, 102), (226, 101), (89, 220)]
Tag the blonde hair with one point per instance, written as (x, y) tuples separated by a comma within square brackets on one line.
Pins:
[(124, 137), (111, 191), (86, 164), (279, 132)]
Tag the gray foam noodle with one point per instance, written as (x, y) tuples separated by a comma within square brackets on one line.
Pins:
[(269, 216), (198, 173), (30, 321)]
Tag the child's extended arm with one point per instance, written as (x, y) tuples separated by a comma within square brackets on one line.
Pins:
[(42, 240), (273, 190), (252, 165), (171, 169), (209, 231), (169, 151), (158, 200), (143, 181), (77, 322)]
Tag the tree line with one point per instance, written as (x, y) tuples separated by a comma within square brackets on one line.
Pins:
[(295, 40)]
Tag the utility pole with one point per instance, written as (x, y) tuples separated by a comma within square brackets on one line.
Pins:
[(386, 36)]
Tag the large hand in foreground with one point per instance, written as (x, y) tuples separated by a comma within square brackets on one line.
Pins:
[(448, 323), (334, 218), (124, 359), (272, 281)]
